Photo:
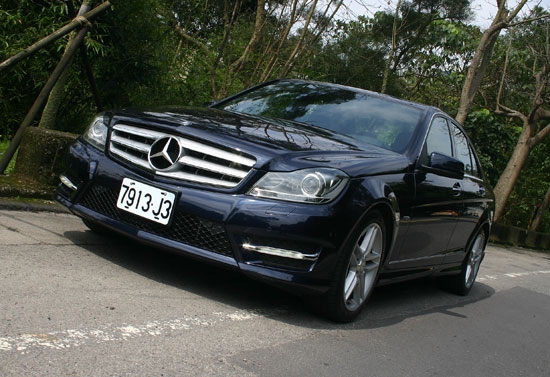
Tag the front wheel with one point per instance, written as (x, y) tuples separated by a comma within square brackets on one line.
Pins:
[(357, 271), (96, 227)]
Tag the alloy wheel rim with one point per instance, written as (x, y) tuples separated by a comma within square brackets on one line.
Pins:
[(363, 267), (474, 260)]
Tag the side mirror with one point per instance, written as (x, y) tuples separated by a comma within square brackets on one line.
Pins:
[(446, 165)]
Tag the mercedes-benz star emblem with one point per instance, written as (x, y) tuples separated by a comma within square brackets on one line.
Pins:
[(165, 153)]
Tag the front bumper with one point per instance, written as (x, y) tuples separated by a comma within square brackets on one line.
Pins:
[(288, 244)]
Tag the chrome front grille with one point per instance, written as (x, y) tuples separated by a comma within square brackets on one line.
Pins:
[(199, 162)]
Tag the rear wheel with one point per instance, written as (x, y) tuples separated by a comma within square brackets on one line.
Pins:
[(357, 271), (462, 283)]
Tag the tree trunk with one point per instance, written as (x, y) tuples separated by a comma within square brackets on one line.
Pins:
[(37, 105), (49, 114), (389, 61), (254, 39), (482, 57), (230, 18), (91, 78), (275, 55), (79, 21), (290, 61), (509, 176), (478, 66), (540, 212), (528, 139), (532, 134)]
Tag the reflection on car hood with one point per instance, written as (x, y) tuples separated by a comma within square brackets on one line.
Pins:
[(269, 139), (271, 132)]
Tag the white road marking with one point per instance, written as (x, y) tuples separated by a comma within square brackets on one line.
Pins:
[(27, 343), (512, 275)]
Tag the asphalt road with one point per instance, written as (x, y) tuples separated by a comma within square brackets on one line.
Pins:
[(73, 303)]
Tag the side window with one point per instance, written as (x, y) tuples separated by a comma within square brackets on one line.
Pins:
[(475, 166), (439, 138), (462, 149), (464, 152)]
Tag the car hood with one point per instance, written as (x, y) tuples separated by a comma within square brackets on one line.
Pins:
[(276, 144)]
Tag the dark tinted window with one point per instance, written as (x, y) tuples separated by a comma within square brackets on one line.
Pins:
[(475, 166), (464, 152), (364, 117), (439, 138)]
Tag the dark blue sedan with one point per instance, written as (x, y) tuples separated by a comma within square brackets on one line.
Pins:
[(323, 189)]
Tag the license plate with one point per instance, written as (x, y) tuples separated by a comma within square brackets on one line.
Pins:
[(146, 201)]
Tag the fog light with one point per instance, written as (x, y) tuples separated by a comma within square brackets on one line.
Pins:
[(67, 182)]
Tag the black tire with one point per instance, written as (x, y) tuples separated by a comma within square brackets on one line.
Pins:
[(357, 271), (462, 283), (95, 227)]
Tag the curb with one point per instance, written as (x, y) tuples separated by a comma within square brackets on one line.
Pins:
[(513, 236), (32, 206)]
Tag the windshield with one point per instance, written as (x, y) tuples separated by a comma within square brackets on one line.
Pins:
[(365, 117)]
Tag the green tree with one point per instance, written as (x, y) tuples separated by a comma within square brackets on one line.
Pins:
[(349, 57), (494, 137), (22, 22), (407, 26), (529, 192), (524, 95), (414, 51), (249, 44), (482, 56), (436, 75), (49, 114)]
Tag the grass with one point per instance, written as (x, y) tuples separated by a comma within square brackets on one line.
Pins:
[(20, 188), (4, 144)]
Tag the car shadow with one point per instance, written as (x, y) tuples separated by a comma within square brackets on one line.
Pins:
[(388, 305), (395, 303), (182, 272)]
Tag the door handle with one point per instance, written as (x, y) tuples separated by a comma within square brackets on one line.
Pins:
[(457, 189)]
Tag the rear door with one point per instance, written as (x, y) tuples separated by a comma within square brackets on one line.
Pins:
[(473, 192)]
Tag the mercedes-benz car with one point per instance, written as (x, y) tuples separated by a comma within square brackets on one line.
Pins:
[(323, 189)]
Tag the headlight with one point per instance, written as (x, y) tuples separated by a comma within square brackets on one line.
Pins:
[(307, 186), (96, 133)]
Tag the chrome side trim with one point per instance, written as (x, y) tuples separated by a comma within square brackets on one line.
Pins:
[(281, 252)]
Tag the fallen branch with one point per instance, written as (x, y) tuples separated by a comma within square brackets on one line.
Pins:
[(41, 99), (75, 23)]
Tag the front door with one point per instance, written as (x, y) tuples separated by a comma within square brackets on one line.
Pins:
[(437, 205)]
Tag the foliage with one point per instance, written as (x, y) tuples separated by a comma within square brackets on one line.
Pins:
[(251, 42), (520, 90), (430, 49), (525, 48), (494, 138), (23, 22), (140, 50), (350, 57), (437, 74), (130, 50), (530, 190)]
